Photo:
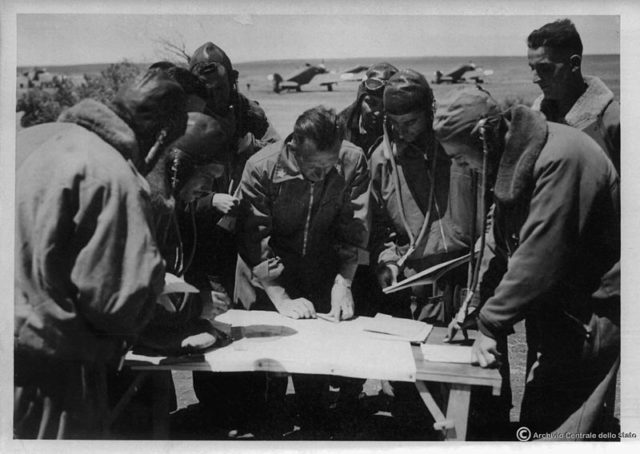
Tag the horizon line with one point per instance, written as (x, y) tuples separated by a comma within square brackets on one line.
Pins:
[(242, 62)]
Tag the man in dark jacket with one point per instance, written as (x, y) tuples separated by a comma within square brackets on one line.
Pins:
[(556, 230), (305, 232), (87, 267)]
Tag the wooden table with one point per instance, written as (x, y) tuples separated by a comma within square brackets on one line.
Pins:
[(457, 379), (450, 410)]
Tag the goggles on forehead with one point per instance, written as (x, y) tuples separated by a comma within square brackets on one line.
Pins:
[(211, 67), (374, 84)]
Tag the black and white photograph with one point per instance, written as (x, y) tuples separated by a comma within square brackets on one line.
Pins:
[(318, 226)]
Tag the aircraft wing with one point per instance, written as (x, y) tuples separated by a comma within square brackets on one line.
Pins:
[(325, 79), (356, 69), (291, 77), (289, 85)]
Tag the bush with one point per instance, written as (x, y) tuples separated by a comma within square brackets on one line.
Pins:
[(45, 105), (39, 106)]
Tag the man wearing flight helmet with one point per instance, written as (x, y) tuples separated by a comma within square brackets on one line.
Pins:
[(422, 211), (88, 270), (363, 120), (246, 126), (247, 121), (364, 117)]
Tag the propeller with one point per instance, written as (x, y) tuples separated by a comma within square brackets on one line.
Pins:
[(485, 72)]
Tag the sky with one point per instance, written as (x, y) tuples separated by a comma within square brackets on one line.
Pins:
[(57, 39)]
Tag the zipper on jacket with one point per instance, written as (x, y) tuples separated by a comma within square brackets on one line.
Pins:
[(307, 222)]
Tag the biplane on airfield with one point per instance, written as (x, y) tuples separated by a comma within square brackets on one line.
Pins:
[(303, 77), (461, 75)]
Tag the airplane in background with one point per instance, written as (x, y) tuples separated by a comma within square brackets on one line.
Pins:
[(355, 74), (302, 77), (456, 76)]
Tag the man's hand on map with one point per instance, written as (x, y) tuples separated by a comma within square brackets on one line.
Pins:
[(296, 308), (341, 299)]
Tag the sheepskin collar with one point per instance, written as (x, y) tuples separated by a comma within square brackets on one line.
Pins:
[(587, 108), (525, 139), (591, 104), (102, 121)]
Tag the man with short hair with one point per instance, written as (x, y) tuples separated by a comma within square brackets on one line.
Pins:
[(556, 230), (584, 102), (305, 231), (88, 270)]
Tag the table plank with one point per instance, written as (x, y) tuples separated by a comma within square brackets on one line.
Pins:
[(453, 372)]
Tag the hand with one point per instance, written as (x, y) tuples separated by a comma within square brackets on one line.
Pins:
[(452, 330), (297, 308), (388, 275), (221, 302), (485, 352), (225, 203), (341, 300)]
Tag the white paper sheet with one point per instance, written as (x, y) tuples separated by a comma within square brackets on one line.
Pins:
[(275, 343), (402, 328), (447, 353)]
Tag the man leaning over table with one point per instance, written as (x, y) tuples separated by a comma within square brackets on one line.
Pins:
[(88, 269), (556, 230), (304, 232)]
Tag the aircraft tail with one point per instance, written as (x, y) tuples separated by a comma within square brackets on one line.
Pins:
[(276, 79)]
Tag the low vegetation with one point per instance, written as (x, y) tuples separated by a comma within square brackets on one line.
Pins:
[(41, 105)]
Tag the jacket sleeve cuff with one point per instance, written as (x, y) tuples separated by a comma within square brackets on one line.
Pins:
[(205, 203), (485, 328), (491, 330)]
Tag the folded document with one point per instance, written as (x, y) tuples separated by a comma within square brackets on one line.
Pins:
[(428, 276), (402, 328)]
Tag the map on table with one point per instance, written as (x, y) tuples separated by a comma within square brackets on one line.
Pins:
[(267, 341)]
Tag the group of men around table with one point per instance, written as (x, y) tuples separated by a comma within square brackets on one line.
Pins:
[(320, 222)]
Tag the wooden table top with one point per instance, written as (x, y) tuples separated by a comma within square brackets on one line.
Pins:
[(453, 372)]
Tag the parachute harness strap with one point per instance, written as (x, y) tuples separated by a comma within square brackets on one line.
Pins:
[(413, 241)]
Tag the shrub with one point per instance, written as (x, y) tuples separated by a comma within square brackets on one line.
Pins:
[(44, 105)]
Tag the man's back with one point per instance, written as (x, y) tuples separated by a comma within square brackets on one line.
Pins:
[(85, 256)]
